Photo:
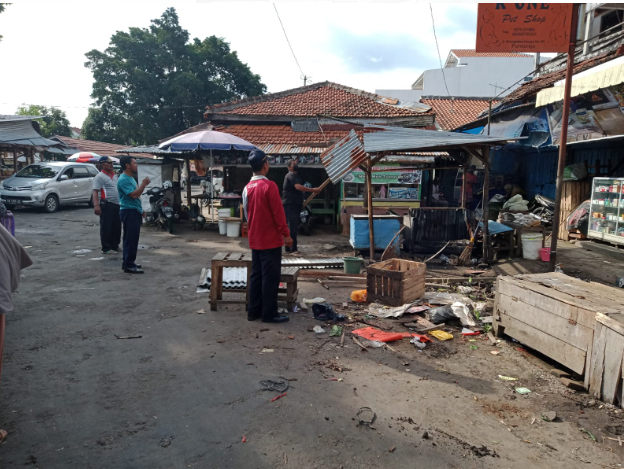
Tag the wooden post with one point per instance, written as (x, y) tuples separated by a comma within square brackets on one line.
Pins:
[(463, 191), (564, 137), (369, 197), (14, 160), (429, 186), (188, 182), (486, 206)]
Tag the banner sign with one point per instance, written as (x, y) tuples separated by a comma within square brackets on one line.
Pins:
[(524, 27), (394, 175)]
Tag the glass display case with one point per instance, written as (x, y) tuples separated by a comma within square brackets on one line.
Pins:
[(606, 217)]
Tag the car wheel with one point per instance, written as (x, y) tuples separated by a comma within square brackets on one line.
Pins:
[(51, 204), (90, 203)]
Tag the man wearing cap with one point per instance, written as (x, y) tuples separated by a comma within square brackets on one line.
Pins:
[(106, 205), (267, 231)]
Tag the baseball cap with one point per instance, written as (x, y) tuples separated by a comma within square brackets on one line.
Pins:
[(106, 159), (256, 158)]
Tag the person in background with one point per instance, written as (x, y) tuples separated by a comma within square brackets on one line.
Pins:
[(13, 258), (131, 213), (511, 190), (437, 198), (470, 180), (292, 198), (267, 232), (106, 205)]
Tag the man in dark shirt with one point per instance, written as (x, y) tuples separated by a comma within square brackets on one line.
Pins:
[(292, 198)]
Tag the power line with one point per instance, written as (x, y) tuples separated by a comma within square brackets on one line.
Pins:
[(438, 47), (303, 75)]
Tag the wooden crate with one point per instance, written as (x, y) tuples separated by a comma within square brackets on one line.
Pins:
[(573, 194), (604, 379), (554, 314), (395, 282)]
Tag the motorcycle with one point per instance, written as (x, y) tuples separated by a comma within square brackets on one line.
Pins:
[(307, 221), (544, 209), (163, 215), (198, 219)]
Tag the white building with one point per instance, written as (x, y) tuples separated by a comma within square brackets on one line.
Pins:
[(470, 74)]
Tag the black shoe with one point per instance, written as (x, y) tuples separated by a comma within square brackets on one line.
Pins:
[(253, 318), (277, 319), (137, 265), (133, 270)]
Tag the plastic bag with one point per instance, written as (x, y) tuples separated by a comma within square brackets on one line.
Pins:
[(325, 312), (464, 313), (359, 296), (516, 204), (575, 172), (579, 216), (441, 335), (441, 314)]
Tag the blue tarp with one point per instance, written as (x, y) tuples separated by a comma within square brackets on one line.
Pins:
[(384, 232)]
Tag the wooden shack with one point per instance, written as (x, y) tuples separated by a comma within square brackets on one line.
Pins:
[(556, 315)]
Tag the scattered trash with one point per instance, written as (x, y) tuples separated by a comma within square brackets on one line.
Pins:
[(425, 435), (391, 450), (244, 440), (589, 433), (314, 300), (474, 347), (267, 350), (359, 296), (441, 314), (416, 341), (444, 258), (465, 290), (465, 315), (278, 397), (366, 416), (619, 282), (507, 378), (371, 333), (523, 390), (441, 335), (164, 442), (81, 251), (129, 336), (334, 379), (336, 331), (201, 311), (549, 416), (318, 329), (466, 331), (96, 258), (295, 309), (328, 247), (494, 352), (325, 312), (274, 385), (373, 343)]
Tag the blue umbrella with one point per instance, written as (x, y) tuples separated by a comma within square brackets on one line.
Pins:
[(206, 140)]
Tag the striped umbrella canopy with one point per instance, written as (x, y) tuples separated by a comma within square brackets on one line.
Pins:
[(83, 157)]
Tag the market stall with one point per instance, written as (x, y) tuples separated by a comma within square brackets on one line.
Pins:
[(606, 215)]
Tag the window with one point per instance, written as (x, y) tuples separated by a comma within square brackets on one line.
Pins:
[(609, 20), (81, 172), (92, 170), (36, 171), (69, 172)]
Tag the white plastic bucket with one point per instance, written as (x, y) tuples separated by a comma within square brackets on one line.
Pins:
[(531, 244), (222, 227), (233, 229), (224, 213)]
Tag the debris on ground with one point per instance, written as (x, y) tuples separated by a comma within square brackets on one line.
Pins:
[(523, 390), (164, 442), (129, 336), (336, 331), (318, 329), (274, 385), (326, 312), (267, 350), (359, 296), (441, 335), (278, 397), (366, 416), (507, 378), (549, 416), (416, 341)]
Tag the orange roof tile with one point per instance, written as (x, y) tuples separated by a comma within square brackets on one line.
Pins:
[(320, 98), (453, 113), (101, 148), (474, 53)]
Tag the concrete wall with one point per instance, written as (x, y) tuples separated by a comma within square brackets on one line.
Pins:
[(476, 75)]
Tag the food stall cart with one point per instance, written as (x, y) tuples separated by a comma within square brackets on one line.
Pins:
[(606, 215)]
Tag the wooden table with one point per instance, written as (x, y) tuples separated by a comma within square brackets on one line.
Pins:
[(289, 276), (218, 263), (519, 230)]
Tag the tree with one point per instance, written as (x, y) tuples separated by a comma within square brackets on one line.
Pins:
[(2, 7), (54, 121), (98, 126), (151, 83)]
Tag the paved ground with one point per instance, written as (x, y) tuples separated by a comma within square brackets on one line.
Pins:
[(187, 392)]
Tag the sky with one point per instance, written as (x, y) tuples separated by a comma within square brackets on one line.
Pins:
[(367, 46)]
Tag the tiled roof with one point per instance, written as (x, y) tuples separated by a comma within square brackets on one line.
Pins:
[(281, 134), (453, 113), (474, 53), (76, 129), (101, 148), (320, 98), (532, 87)]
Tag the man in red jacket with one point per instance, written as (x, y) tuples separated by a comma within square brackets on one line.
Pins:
[(267, 231)]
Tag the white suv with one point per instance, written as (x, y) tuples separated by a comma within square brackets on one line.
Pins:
[(49, 185)]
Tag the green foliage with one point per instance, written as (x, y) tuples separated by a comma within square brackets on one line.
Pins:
[(54, 120), (153, 83), (2, 7), (98, 126)]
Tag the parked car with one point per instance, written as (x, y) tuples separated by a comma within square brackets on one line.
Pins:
[(49, 185)]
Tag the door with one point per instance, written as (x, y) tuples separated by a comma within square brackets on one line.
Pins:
[(84, 183), (67, 188)]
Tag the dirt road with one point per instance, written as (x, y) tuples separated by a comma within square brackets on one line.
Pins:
[(186, 392)]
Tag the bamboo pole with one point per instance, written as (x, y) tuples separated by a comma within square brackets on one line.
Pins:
[(188, 182), (564, 136), (369, 197), (321, 187), (486, 206)]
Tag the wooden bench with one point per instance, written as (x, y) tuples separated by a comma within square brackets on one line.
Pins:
[(218, 263), (221, 260)]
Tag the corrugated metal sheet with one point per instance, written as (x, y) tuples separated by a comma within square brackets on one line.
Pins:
[(384, 138), (289, 149), (21, 132), (344, 156), (438, 225)]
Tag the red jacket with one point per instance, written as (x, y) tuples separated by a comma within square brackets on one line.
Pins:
[(266, 220)]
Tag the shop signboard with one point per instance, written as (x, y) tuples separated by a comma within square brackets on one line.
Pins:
[(523, 27), (394, 175)]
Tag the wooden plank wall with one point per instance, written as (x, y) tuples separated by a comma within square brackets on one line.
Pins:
[(574, 192)]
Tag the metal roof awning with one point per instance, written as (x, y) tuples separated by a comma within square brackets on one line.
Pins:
[(602, 76), (21, 132), (381, 138), (343, 157)]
